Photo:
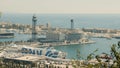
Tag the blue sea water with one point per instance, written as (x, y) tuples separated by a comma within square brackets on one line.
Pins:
[(111, 21), (102, 44)]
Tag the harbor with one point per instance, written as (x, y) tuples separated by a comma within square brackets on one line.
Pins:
[(59, 34), (31, 45)]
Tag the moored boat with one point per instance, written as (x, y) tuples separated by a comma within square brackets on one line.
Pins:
[(6, 35)]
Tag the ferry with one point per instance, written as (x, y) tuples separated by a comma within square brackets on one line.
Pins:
[(6, 35), (28, 50)]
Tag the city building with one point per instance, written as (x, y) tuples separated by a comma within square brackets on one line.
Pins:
[(55, 36), (73, 36)]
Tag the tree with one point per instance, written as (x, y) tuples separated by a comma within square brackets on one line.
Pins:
[(91, 55), (116, 53)]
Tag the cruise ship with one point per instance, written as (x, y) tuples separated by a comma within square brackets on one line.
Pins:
[(14, 50)]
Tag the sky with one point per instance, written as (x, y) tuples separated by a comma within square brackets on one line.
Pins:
[(60, 6)]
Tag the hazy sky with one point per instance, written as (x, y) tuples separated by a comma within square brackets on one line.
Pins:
[(60, 6)]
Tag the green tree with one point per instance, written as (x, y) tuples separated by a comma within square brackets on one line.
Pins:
[(91, 55), (115, 50)]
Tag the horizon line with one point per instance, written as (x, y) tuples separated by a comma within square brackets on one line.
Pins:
[(54, 13)]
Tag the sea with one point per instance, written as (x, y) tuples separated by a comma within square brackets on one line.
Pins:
[(109, 21)]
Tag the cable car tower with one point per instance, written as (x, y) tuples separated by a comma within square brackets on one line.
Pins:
[(34, 33)]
